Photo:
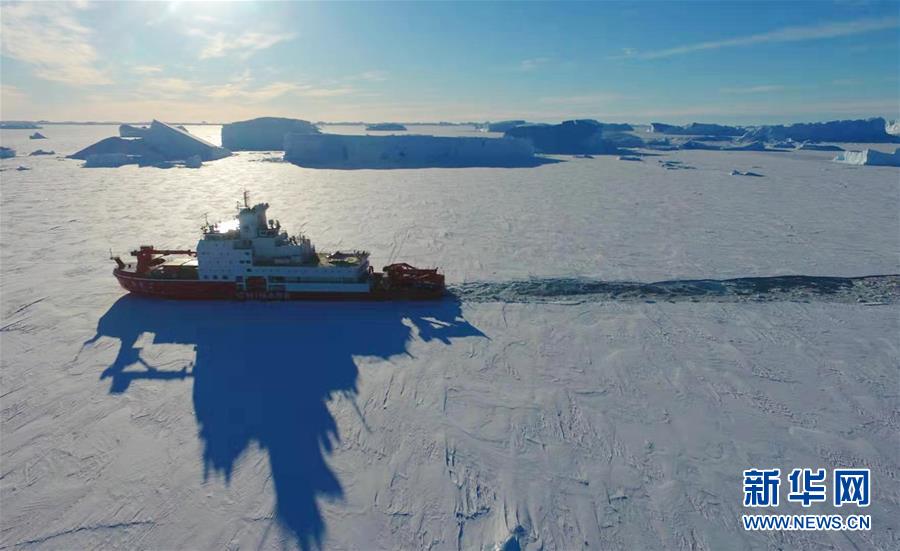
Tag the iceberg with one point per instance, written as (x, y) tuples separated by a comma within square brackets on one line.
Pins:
[(175, 144), (751, 146), (37, 152), (18, 125), (263, 133), (37, 136), (503, 126), (573, 137), (859, 131), (869, 157), (7, 152), (787, 144), (691, 144), (386, 127), (128, 131), (748, 173), (116, 145), (696, 129), (820, 147), (416, 151), (160, 143), (893, 128)]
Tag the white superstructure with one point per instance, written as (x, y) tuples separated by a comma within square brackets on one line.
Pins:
[(253, 250)]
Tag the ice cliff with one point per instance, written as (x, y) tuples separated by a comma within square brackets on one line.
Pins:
[(263, 133), (859, 131), (345, 151), (696, 129), (869, 157), (503, 126)]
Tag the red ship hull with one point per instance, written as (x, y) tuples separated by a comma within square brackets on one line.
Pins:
[(189, 289)]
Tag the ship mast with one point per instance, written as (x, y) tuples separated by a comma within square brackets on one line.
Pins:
[(246, 199)]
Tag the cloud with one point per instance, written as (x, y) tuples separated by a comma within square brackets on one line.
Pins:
[(244, 45), (786, 34), (240, 87), (371, 76), (169, 87), (146, 69), (9, 92), (48, 37), (761, 89), (534, 63), (251, 95)]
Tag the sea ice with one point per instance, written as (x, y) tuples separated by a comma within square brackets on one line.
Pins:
[(539, 418)]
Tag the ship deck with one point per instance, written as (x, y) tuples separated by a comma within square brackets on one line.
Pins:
[(325, 260)]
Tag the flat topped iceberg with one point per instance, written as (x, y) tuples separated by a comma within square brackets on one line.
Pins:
[(859, 131), (696, 129), (503, 126), (386, 127), (869, 157), (263, 133), (400, 151)]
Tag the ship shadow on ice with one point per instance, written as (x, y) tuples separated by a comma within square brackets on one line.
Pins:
[(264, 373)]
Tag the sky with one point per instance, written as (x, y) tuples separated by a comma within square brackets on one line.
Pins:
[(641, 61)]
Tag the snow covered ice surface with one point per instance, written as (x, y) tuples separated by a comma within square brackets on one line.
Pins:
[(558, 423)]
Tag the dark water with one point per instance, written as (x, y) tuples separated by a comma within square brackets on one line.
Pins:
[(868, 289)]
